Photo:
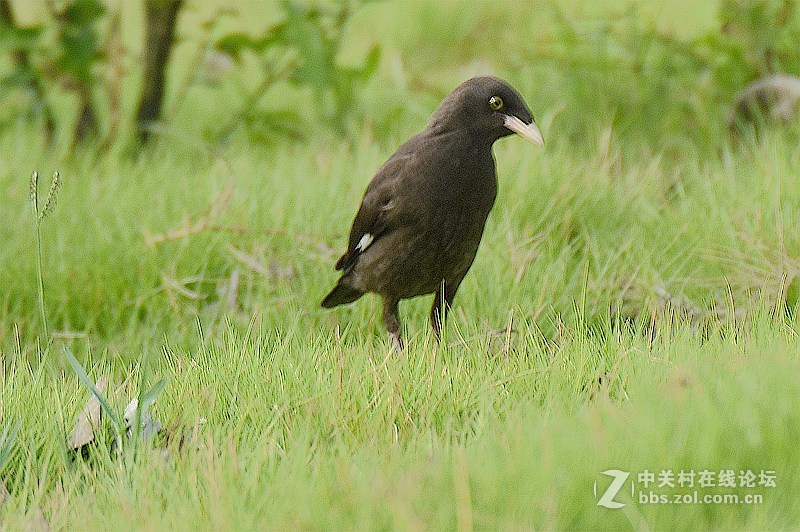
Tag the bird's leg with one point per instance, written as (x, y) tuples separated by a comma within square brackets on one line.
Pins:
[(438, 313), (442, 302), (392, 323)]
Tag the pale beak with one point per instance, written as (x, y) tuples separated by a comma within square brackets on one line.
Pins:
[(527, 131)]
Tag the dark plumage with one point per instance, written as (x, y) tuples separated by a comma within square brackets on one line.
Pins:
[(423, 214)]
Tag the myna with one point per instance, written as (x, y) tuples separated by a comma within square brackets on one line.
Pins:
[(423, 214)]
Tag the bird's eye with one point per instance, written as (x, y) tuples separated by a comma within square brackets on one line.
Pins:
[(496, 103)]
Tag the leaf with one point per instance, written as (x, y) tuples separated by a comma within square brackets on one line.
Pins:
[(150, 397), (793, 293), (235, 44), (13, 38), (88, 420), (80, 52), (79, 43), (86, 381), (266, 125), (22, 76), (7, 444), (149, 426), (83, 12), (371, 63), (303, 31)]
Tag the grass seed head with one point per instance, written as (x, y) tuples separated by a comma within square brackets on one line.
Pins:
[(34, 187), (50, 203)]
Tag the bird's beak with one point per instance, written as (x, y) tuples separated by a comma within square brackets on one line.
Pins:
[(527, 131)]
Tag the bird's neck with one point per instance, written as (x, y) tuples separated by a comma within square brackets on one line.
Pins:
[(462, 138)]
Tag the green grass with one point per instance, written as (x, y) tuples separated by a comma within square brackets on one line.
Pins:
[(630, 308)]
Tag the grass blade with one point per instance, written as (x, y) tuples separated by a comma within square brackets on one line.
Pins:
[(7, 443), (150, 397), (86, 381)]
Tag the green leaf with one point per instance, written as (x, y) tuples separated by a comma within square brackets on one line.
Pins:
[(150, 397), (266, 126), (303, 31), (13, 38), (237, 43), (7, 443), (22, 76), (83, 12), (86, 381), (371, 63)]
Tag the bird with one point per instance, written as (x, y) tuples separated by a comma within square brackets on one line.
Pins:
[(423, 214)]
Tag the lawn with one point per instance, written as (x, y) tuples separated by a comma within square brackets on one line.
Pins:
[(633, 306)]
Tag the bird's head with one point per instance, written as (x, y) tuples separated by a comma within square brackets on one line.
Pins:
[(488, 107)]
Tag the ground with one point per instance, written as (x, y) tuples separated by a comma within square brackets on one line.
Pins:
[(632, 307)]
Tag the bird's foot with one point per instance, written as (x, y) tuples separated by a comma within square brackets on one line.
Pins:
[(397, 342)]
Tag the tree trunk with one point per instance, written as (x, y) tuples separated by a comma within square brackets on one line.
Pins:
[(87, 119), (160, 19)]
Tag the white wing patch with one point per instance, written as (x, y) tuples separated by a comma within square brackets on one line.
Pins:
[(365, 241)]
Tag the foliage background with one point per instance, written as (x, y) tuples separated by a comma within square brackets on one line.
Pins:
[(633, 304)]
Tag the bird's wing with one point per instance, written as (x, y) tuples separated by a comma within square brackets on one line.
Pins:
[(379, 213)]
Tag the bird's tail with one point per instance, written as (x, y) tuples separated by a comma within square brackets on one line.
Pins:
[(340, 295)]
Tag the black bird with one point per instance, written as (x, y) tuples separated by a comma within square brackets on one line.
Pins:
[(423, 214)]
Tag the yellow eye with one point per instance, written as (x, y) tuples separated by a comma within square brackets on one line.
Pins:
[(496, 103)]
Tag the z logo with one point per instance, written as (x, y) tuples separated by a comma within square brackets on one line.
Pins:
[(607, 499)]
